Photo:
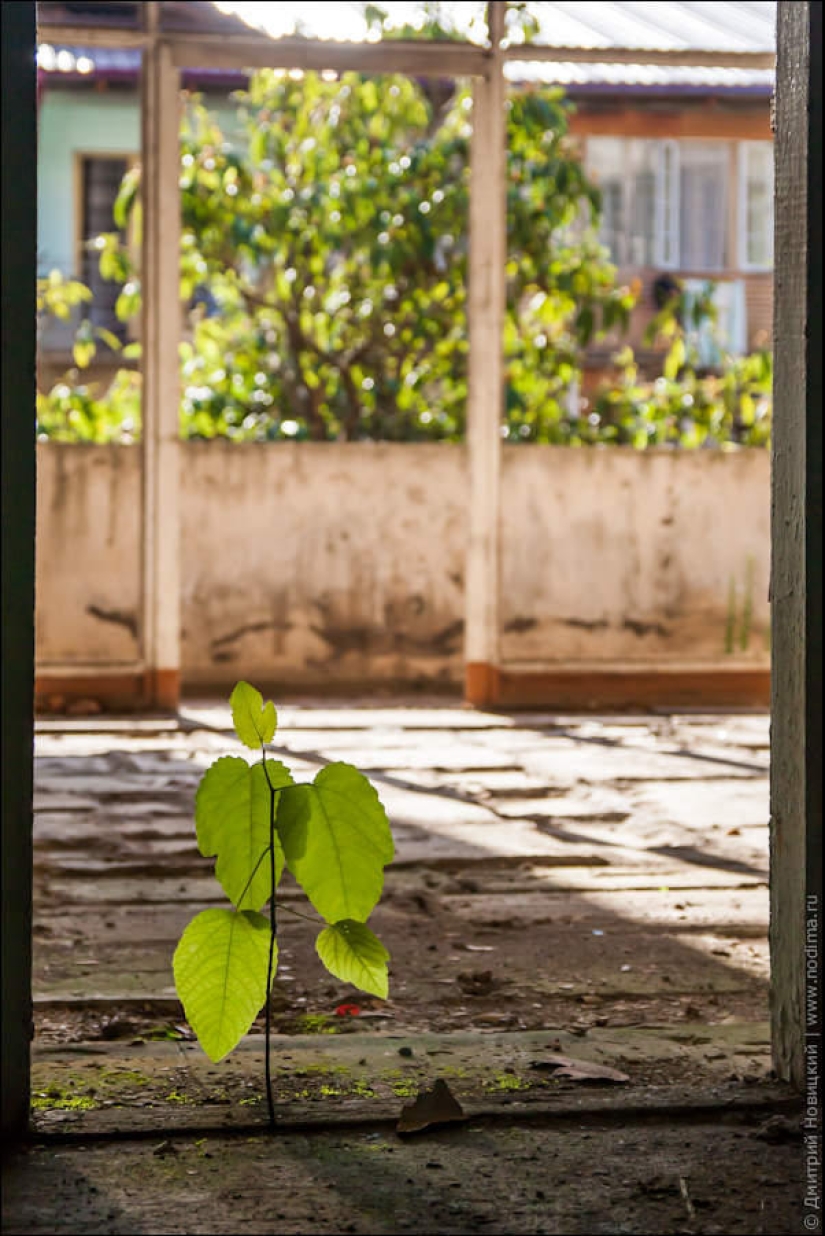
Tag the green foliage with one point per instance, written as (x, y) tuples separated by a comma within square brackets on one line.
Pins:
[(220, 968), (255, 722), (60, 298), (337, 840), (324, 261), (333, 835), (75, 411), (232, 809), (351, 952), (324, 276), (683, 407)]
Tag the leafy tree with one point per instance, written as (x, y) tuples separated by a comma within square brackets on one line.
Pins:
[(324, 262), (684, 406), (324, 277)]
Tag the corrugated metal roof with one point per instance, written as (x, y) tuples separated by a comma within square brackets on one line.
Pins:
[(670, 25), (678, 25), (124, 64), (642, 78)]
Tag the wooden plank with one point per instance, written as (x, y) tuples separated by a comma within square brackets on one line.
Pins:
[(794, 766), (161, 336), (17, 373), (421, 57), (238, 51), (486, 305), (89, 36)]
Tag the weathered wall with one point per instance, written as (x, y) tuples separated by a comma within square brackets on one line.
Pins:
[(616, 556), (88, 555), (321, 564)]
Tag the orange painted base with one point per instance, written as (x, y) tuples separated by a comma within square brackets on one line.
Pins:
[(582, 691), (481, 684), (88, 694)]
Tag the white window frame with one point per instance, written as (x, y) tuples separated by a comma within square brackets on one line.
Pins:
[(666, 240), (742, 208), (666, 221)]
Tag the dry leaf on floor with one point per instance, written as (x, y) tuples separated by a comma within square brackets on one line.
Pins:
[(579, 1070), (436, 1106)]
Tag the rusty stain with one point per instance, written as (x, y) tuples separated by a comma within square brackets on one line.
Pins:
[(414, 605), (645, 628), (120, 617), (521, 624), (597, 624), (218, 650), (371, 639)]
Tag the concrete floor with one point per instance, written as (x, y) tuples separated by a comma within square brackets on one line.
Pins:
[(592, 888)]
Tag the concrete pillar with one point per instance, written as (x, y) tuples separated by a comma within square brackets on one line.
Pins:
[(486, 301), (17, 459), (160, 265), (796, 571)]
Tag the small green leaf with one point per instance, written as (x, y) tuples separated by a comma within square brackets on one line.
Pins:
[(232, 821), (675, 359), (83, 351), (220, 968), (337, 840), (352, 953), (255, 722), (108, 338)]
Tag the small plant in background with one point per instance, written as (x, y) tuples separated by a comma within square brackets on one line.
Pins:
[(334, 837)]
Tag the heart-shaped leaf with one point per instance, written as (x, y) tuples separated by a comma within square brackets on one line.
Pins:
[(220, 968), (337, 840), (232, 809), (351, 952), (255, 721)]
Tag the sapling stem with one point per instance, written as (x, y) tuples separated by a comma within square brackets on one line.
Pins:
[(273, 932)]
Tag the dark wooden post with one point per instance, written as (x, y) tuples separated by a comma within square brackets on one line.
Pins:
[(17, 422), (796, 572)]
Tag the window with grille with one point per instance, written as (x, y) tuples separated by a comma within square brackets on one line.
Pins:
[(100, 178), (668, 203)]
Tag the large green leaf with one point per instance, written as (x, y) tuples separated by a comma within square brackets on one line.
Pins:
[(351, 952), (336, 839), (255, 721), (220, 969), (232, 821)]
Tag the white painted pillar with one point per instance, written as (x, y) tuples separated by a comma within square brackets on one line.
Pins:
[(486, 304), (160, 261)]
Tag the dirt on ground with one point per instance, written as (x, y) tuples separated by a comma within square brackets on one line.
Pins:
[(585, 889)]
